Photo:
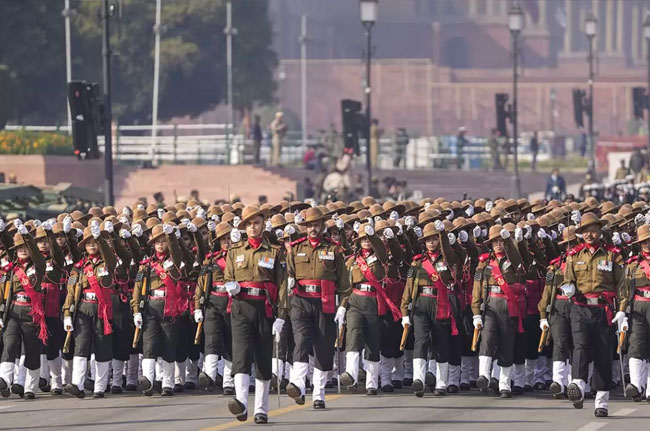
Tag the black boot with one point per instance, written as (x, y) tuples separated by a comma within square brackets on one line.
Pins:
[(319, 405), (74, 390), (238, 409), (418, 388), (145, 386), (600, 413), (574, 395), (261, 418)]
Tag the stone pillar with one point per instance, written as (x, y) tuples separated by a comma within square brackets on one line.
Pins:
[(489, 8), (594, 9), (569, 26), (634, 34), (620, 14), (609, 26), (473, 8), (542, 14)]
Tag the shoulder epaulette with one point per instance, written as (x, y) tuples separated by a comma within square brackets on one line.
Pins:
[(275, 246), (145, 261), (632, 259), (483, 257), (80, 264), (238, 244), (299, 240), (612, 248), (417, 257), (576, 249), (556, 260)]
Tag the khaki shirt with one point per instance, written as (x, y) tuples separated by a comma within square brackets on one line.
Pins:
[(243, 264), (323, 262), (35, 270), (554, 279), (635, 274), (375, 261), (599, 272), (211, 271)]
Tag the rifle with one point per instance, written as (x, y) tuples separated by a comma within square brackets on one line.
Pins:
[(544, 337), (202, 302), (405, 331), (477, 331), (4, 308), (75, 306), (141, 306)]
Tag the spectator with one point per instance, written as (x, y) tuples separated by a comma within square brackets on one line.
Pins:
[(461, 142), (493, 145), (309, 159), (583, 144), (278, 129), (637, 161), (375, 134), (262, 199), (622, 171), (399, 147), (309, 190), (534, 149), (257, 139), (555, 186)]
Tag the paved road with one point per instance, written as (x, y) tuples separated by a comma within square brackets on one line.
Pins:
[(351, 412)]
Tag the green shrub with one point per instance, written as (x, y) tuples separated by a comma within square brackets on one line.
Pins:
[(44, 143)]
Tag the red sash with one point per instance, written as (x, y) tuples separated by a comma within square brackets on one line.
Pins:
[(105, 305), (52, 299), (382, 300), (608, 296), (221, 262), (36, 299), (173, 292), (533, 295), (443, 310), (269, 286), (645, 266), (509, 292), (327, 293)]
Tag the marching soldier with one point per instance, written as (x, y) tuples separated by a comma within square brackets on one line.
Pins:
[(316, 275), (256, 282), (596, 272)]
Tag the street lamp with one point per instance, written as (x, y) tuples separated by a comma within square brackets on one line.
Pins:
[(368, 18), (515, 24), (591, 26), (646, 33)]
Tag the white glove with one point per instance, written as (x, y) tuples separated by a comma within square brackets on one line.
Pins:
[(477, 320), (191, 227), (313, 203), (291, 282), (626, 237), (639, 219), (439, 225), (67, 324), (2, 225), (489, 205), (406, 321), (452, 238), (137, 230), (463, 236), (393, 215), (125, 234), (529, 232), (469, 211), (232, 287), (418, 231), (235, 235), (339, 318), (198, 315), (504, 233), (177, 232), (568, 289), (168, 229), (212, 225), (17, 223), (22, 229), (95, 231), (450, 216), (389, 234), (289, 230), (576, 217), (108, 226), (616, 239), (160, 212), (519, 234), (2, 324), (236, 220), (356, 226), (126, 211), (377, 219), (400, 231), (67, 225), (277, 327), (543, 325), (47, 225), (201, 213), (371, 221), (620, 320), (215, 218), (339, 224), (278, 233), (369, 230), (427, 205), (476, 232), (410, 221), (186, 221), (268, 226), (530, 216), (78, 233), (647, 218), (553, 235), (624, 326), (137, 320), (37, 223), (560, 228), (541, 233), (484, 232)]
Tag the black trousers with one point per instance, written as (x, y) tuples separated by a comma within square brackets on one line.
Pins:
[(560, 321), (314, 332), (391, 336), (217, 330), (159, 333), (89, 334), (287, 343), (455, 341), (21, 335), (639, 331), (466, 332), (498, 334), (429, 331), (55, 337), (591, 334), (252, 338), (363, 327), (122, 328)]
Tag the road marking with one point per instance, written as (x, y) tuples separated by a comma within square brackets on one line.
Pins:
[(624, 412), (4, 407), (592, 426), (272, 413)]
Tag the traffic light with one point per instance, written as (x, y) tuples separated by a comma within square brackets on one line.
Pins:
[(639, 102), (353, 123), (579, 106), (501, 99), (86, 118)]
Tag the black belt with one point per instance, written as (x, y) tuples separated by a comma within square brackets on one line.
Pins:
[(309, 288), (219, 288), (21, 297), (644, 293), (363, 287), (428, 290)]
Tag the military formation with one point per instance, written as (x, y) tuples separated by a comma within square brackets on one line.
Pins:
[(503, 297)]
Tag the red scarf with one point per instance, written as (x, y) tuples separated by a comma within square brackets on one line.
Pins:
[(314, 242), (255, 242), (499, 255), (645, 255), (592, 248), (365, 253), (433, 255)]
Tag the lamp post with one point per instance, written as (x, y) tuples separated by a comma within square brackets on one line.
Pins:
[(646, 33), (107, 12), (368, 18), (229, 31), (515, 24), (591, 25)]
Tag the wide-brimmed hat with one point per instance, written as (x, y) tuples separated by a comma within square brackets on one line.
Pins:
[(312, 215), (362, 232), (381, 225), (494, 232), (222, 229), (642, 233), (390, 206), (568, 235), (151, 222), (377, 210), (18, 241), (250, 212), (428, 231), (589, 219), (278, 221), (156, 233), (608, 207), (461, 223), (87, 235)]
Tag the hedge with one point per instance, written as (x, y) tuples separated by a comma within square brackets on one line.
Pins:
[(44, 143)]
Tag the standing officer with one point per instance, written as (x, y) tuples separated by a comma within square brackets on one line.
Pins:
[(255, 281), (316, 274), (596, 271)]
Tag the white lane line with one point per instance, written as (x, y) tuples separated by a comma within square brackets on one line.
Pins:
[(592, 426), (623, 412)]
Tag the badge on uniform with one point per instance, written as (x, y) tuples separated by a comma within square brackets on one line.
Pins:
[(440, 266), (371, 259), (49, 267), (326, 255), (68, 261), (168, 264), (102, 272), (301, 254), (31, 271), (266, 262), (506, 265), (605, 265), (240, 258)]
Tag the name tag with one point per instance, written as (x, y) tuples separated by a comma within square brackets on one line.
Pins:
[(239, 258), (326, 255), (301, 254), (266, 262), (506, 265), (195, 264), (168, 264), (371, 259), (68, 261), (31, 271), (605, 265), (49, 267)]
